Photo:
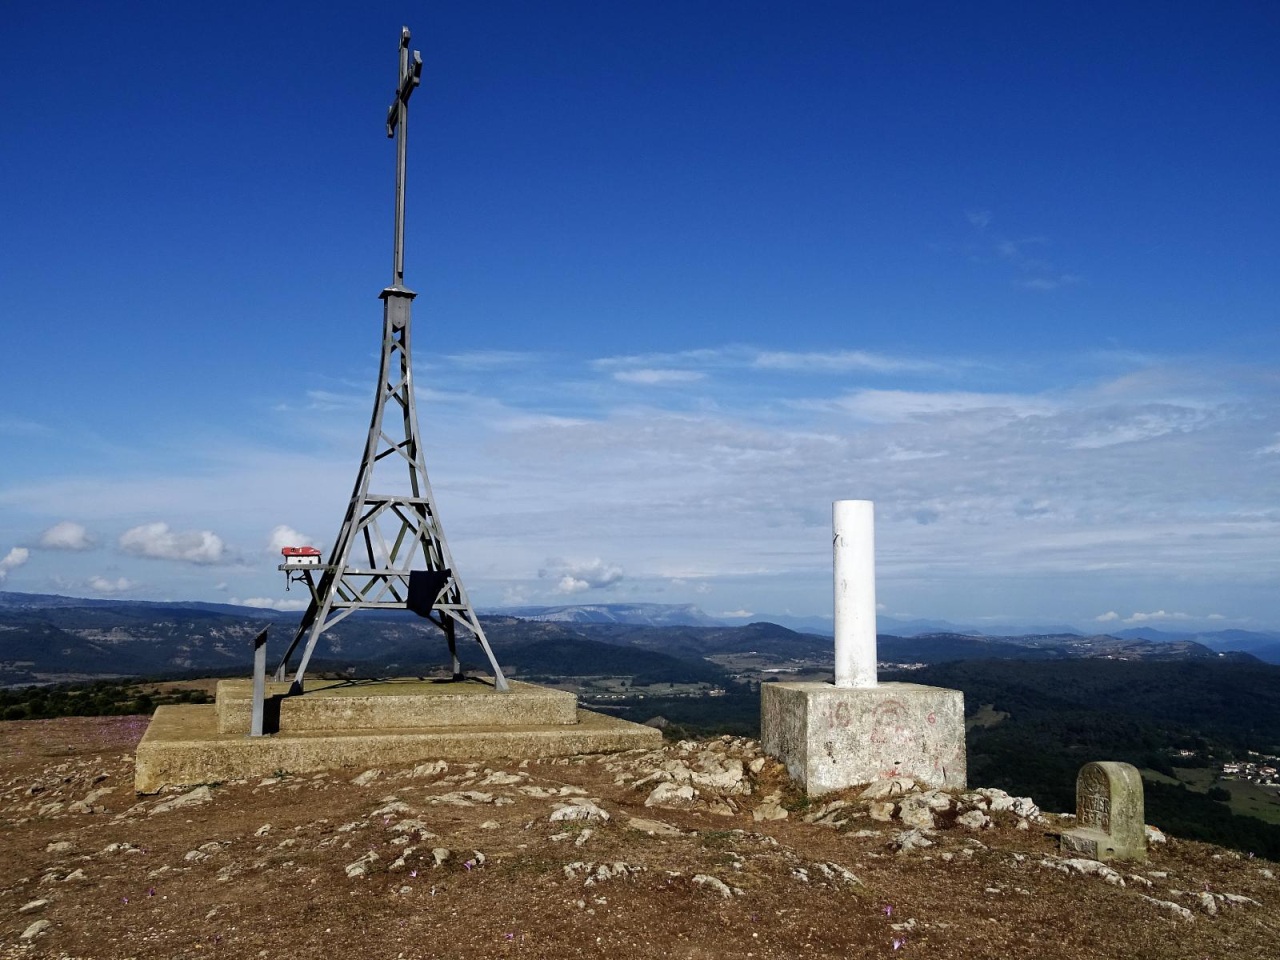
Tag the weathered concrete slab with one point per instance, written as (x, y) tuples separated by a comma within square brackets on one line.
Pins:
[(835, 737), (183, 746), (347, 705), (1110, 814)]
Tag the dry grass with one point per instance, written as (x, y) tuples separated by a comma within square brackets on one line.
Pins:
[(285, 892)]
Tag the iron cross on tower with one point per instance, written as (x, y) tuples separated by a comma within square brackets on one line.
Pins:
[(391, 552)]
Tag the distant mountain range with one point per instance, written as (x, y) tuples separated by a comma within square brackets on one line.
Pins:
[(44, 637), (641, 614)]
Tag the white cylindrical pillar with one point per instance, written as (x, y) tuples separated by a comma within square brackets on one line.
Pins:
[(854, 561)]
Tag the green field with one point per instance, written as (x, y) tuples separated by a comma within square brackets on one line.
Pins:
[(1248, 799)]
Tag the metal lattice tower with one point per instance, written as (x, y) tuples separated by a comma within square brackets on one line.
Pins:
[(389, 539)]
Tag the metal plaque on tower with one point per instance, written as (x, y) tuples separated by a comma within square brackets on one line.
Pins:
[(391, 552)]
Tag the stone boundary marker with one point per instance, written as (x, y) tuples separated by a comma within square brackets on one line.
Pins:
[(1110, 815)]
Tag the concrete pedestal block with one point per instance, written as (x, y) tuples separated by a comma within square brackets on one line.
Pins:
[(332, 706), (835, 737)]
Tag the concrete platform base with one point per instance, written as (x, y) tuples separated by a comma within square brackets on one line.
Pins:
[(833, 737), (337, 705), (184, 745)]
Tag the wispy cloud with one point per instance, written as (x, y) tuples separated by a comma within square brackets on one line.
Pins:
[(1156, 616), (635, 368), (494, 359), (896, 406), (979, 218), (1048, 283), (22, 427), (105, 585), (839, 361), (1026, 255), (269, 603), (1089, 494), (700, 358), (651, 377)]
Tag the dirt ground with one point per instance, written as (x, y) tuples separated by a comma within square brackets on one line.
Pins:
[(466, 860)]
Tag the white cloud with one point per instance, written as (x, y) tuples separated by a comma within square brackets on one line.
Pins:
[(1049, 283), (839, 361), (493, 359), (1051, 494), (737, 614), (697, 586), (157, 541), (66, 535), (574, 577), (705, 357), (1132, 425), (12, 560), (285, 536), (269, 603), (979, 218), (1156, 615), (893, 406), (104, 585), (1025, 255), (651, 377)]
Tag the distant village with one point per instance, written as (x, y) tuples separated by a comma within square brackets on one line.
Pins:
[(1262, 770)]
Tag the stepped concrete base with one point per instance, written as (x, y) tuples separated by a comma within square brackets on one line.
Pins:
[(347, 705), (184, 745), (833, 737)]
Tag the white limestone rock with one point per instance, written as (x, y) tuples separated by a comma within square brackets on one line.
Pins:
[(909, 840), (713, 884), (667, 794), (461, 798), (882, 810), (434, 768), (919, 809), (974, 820), (1084, 867), (722, 774), (830, 870), (360, 868), (1021, 806), (654, 828), (888, 788), (1179, 911), (578, 808), (192, 798), (770, 809)]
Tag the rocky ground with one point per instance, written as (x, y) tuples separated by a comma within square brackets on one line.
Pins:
[(699, 849)]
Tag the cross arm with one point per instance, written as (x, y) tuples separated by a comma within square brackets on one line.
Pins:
[(410, 77)]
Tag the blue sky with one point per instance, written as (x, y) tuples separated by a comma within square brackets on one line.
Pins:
[(687, 273)]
